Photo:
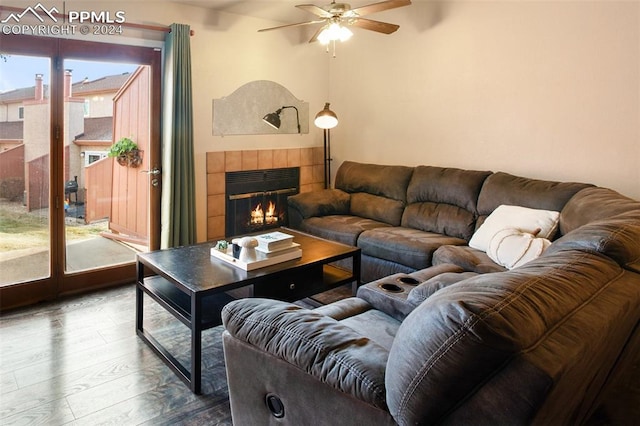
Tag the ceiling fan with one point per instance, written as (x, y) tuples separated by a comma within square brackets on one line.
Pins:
[(337, 16)]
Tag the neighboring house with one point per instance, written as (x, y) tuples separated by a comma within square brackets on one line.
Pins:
[(88, 134)]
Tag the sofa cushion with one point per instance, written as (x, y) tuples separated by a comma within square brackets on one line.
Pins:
[(375, 325), (386, 181), (406, 246), (446, 185), (503, 188), (525, 219), (440, 218), (320, 203), (468, 258), (319, 345), (378, 208), (443, 200), (341, 228)]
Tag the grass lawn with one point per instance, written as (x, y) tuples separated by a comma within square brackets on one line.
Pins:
[(20, 229)]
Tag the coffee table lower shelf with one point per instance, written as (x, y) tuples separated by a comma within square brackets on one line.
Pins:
[(179, 304)]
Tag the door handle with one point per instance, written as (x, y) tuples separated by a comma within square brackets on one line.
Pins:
[(154, 171)]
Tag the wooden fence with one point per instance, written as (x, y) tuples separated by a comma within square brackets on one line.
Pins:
[(98, 183), (12, 173)]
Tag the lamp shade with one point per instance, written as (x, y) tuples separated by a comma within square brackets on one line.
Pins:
[(326, 119), (272, 119)]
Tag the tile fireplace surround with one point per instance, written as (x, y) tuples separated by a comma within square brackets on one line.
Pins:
[(310, 161)]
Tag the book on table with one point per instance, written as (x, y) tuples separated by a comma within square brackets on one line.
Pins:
[(274, 241), (258, 259)]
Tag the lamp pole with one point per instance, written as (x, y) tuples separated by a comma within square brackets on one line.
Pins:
[(327, 158)]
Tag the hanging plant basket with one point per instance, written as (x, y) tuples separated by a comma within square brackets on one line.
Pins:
[(126, 153), (131, 159)]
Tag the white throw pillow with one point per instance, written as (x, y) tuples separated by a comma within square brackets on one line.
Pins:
[(522, 218), (512, 248)]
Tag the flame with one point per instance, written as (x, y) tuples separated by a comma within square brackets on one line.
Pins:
[(271, 213), (258, 216)]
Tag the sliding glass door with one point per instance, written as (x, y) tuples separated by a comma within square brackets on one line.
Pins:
[(81, 216)]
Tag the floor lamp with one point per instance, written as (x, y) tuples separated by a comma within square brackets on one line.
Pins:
[(326, 120)]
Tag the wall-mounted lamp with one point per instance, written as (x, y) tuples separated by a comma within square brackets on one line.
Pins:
[(326, 119), (273, 118)]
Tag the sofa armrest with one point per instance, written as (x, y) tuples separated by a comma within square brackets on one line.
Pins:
[(317, 344), (319, 203), (393, 294)]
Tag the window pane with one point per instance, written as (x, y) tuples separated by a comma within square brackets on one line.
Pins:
[(24, 168)]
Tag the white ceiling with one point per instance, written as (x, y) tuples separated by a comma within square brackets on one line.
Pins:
[(275, 10)]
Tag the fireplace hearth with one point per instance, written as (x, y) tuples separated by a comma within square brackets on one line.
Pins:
[(256, 200)]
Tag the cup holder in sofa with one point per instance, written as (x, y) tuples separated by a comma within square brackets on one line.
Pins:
[(408, 280), (391, 288)]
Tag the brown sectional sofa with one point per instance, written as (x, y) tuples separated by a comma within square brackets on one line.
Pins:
[(469, 342), (401, 217)]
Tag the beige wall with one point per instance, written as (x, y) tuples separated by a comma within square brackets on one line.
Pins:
[(544, 89)]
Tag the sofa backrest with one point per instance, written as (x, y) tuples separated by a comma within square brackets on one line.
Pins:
[(443, 200), (592, 204), (556, 326), (503, 188), (378, 192), (600, 220)]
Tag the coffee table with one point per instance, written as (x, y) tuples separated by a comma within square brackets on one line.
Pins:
[(194, 286)]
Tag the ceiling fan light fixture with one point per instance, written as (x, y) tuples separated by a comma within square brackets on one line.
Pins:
[(326, 119), (334, 32), (345, 33)]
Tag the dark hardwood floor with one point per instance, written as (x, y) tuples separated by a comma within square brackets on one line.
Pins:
[(77, 361)]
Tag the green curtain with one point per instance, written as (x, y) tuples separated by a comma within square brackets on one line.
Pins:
[(178, 181)]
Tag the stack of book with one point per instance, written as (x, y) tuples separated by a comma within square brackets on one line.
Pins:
[(273, 242), (273, 248)]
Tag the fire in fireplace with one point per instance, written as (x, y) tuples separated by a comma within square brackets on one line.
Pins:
[(257, 199)]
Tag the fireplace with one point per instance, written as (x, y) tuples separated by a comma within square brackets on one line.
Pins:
[(256, 200)]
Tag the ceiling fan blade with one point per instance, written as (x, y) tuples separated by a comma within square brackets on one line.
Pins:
[(316, 34), (369, 24), (377, 7), (316, 10), (291, 25)]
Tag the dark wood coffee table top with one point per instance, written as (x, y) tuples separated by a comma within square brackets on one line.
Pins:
[(194, 269)]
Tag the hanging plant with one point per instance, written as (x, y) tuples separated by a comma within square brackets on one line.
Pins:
[(126, 153)]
